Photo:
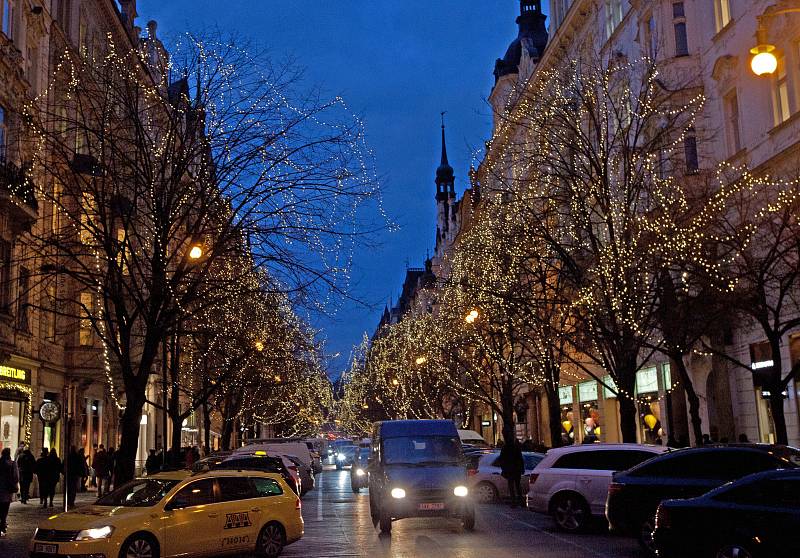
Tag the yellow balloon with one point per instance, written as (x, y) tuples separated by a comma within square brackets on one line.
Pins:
[(597, 431), (650, 421), (567, 425)]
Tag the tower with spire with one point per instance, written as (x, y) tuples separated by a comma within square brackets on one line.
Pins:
[(445, 193)]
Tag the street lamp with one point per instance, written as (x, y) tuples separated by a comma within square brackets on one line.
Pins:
[(764, 61), (196, 252), (421, 360), (472, 316)]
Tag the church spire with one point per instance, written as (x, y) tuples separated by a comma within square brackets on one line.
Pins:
[(445, 177)]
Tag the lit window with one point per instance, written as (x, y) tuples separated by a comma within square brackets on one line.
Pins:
[(88, 211), (732, 132), (87, 307), (780, 93), (679, 25), (722, 13)]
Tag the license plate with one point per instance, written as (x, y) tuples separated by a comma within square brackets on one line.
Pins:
[(431, 506), (45, 548)]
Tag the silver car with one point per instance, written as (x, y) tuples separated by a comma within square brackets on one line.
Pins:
[(486, 484)]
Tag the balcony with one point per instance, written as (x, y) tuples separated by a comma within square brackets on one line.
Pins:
[(17, 194)]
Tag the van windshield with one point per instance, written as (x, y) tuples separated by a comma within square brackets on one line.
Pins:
[(421, 450)]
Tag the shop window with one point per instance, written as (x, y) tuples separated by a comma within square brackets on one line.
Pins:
[(11, 422), (609, 387), (565, 398), (679, 27), (732, 126), (50, 430), (649, 406), (23, 300), (590, 414)]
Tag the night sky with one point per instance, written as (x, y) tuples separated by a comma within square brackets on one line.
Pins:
[(398, 64)]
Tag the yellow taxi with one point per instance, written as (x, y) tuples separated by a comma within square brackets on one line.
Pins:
[(178, 514)]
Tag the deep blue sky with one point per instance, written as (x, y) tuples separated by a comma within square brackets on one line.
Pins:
[(398, 64)]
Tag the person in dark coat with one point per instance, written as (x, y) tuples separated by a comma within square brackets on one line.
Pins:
[(512, 466), (55, 468), (42, 471), (26, 465), (9, 485), (101, 470), (153, 463), (76, 471)]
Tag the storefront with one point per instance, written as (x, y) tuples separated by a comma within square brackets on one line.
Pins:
[(15, 406), (590, 412), (566, 400)]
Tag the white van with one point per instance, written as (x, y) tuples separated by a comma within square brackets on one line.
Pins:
[(472, 438), (298, 449)]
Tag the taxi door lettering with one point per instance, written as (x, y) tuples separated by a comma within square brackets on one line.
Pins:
[(237, 520)]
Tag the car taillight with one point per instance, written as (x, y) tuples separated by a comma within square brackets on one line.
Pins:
[(533, 478), (472, 472), (298, 505)]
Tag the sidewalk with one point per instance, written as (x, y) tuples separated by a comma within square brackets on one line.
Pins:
[(23, 518)]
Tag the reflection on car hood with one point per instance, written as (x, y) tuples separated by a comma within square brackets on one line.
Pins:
[(425, 477), (91, 516)]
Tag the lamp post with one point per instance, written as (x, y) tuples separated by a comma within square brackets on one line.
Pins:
[(764, 61)]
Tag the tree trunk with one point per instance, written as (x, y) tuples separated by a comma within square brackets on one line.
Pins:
[(778, 418), (507, 403), (691, 395), (206, 427), (627, 418), (177, 426), (554, 414), (129, 430)]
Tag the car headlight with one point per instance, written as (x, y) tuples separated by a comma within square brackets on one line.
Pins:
[(340, 456), (95, 533), (359, 472), (460, 490), (398, 493)]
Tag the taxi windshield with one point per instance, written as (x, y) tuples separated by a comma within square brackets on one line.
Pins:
[(139, 493), (421, 450)]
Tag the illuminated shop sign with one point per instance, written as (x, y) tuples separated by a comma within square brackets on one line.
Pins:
[(9, 373)]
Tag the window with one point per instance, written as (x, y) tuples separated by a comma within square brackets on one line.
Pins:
[(732, 133), (614, 15), (198, 493), (650, 43), (722, 13), (87, 308), (23, 300), (679, 25), (234, 488), (690, 151), (5, 275), (8, 18), (122, 260), (3, 132), (266, 487), (50, 327), (780, 93), (56, 208), (88, 210)]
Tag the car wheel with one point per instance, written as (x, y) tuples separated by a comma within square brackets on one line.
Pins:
[(385, 522), (570, 512), (271, 540), (734, 551), (468, 520), (646, 535), (139, 546), (485, 493)]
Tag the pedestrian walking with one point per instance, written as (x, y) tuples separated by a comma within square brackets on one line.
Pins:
[(153, 463), (101, 470), (512, 466), (43, 476), (9, 486), (19, 450), (85, 468), (76, 470), (26, 464), (92, 470), (55, 468)]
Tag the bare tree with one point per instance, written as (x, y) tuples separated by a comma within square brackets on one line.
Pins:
[(167, 194)]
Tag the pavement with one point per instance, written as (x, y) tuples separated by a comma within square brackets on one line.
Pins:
[(338, 525)]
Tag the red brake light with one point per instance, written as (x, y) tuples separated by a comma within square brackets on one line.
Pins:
[(297, 504), (472, 472)]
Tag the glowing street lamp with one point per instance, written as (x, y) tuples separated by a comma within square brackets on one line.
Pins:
[(421, 360), (764, 61), (472, 316), (196, 252)]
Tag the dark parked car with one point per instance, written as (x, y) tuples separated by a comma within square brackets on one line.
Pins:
[(269, 464), (754, 517), (634, 495), (306, 473)]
